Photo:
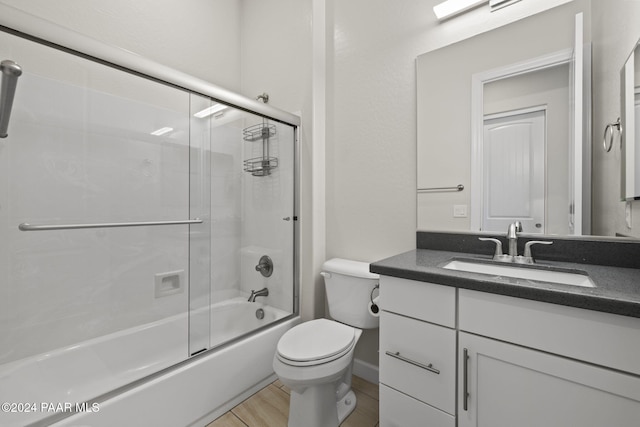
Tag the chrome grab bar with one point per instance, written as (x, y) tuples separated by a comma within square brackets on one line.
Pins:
[(10, 73), (31, 227), (428, 367), (458, 187)]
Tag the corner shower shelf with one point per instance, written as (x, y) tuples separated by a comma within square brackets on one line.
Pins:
[(260, 166)]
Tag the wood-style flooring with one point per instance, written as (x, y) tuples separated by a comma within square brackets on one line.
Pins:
[(270, 407)]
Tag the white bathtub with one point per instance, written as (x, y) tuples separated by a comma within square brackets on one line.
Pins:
[(235, 317), (195, 392)]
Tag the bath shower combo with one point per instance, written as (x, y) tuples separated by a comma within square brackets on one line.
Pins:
[(147, 251)]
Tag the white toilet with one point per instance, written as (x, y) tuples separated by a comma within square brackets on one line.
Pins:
[(315, 358)]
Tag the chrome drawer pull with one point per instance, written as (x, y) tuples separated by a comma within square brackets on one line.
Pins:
[(428, 367)]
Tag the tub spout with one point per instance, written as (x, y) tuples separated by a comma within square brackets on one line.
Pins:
[(261, 293)]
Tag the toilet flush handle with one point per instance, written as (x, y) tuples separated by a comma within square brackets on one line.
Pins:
[(325, 274)]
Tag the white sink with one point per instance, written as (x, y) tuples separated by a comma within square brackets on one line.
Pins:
[(517, 272)]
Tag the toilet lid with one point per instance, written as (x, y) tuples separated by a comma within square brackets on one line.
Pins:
[(316, 340)]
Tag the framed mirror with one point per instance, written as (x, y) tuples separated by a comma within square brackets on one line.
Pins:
[(507, 122), (445, 120)]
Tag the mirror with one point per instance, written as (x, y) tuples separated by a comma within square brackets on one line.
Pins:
[(447, 123), (630, 121)]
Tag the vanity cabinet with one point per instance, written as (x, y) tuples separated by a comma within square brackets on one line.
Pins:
[(509, 385), (417, 354), (530, 363), (519, 362)]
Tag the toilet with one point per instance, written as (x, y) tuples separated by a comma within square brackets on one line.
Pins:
[(315, 358)]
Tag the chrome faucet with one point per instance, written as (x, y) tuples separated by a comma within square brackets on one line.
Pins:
[(264, 292), (512, 237)]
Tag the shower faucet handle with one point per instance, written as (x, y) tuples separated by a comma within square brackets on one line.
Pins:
[(265, 266)]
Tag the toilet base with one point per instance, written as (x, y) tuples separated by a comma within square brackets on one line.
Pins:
[(345, 406), (315, 408)]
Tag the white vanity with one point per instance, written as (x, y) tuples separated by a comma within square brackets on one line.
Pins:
[(453, 356), (417, 330)]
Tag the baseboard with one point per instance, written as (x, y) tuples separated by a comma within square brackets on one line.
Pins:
[(366, 370)]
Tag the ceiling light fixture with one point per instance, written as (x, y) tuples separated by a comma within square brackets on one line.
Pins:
[(161, 131), (210, 110), (450, 8)]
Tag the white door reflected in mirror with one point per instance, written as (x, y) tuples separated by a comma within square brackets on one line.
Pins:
[(514, 165)]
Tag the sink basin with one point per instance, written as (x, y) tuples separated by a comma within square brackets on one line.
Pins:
[(522, 272)]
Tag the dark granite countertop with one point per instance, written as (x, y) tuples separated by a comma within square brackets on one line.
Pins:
[(617, 289)]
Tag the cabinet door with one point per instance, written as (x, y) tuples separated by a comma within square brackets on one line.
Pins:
[(509, 386)]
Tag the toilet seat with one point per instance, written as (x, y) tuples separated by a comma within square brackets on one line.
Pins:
[(315, 342)]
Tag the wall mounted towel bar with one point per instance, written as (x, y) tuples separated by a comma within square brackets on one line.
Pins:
[(10, 73), (458, 187), (31, 227)]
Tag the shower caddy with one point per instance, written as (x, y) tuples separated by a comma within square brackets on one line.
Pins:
[(260, 166)]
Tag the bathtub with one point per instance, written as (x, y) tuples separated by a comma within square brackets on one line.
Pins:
[(235, 317), (47, 388)]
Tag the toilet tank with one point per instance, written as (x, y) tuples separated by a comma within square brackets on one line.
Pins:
[(349, 286)]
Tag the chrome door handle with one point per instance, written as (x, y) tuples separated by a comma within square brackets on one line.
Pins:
[(428, 367), (465, 378)]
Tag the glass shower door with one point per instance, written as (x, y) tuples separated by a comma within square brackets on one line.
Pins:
[(87, 309), (252, 163)]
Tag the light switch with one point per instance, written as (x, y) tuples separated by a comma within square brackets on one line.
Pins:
[(459, 211)]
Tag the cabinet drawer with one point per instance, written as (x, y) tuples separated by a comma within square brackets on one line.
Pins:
[(600, 338), (419, 359), (420, 300), (400, 410)]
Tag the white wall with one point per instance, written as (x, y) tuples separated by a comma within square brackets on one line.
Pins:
[(199, 37)]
